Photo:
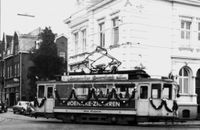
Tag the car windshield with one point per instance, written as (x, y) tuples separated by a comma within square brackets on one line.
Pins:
[(23, 103)]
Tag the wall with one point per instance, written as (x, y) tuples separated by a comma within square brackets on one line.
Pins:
[(26, 63), (149, 36), (138, 25), (62, 46)]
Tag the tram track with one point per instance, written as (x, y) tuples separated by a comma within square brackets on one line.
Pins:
[(2, 119), (6, 118), (13, 117)]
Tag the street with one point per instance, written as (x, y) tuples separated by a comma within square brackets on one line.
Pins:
[(10, 121)]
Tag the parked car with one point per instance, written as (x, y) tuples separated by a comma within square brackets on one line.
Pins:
[(3, 107), (22, 107)]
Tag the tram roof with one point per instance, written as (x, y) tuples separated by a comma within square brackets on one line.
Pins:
[(119, 76), (109, 81)]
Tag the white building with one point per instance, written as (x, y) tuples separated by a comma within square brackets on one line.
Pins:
[(161, 35)]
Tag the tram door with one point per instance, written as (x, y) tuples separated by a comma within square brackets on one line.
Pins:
[(143, 101), (45, 91), (40, 97), (50, 102), (156, 101)]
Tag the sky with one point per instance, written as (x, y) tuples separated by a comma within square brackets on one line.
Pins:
[(48, 13)]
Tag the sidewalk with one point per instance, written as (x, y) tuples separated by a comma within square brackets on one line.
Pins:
[(10, 109)]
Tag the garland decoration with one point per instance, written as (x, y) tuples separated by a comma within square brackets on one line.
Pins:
[(112, 96), (178, 91), (37, 104), (152, 104), (175, 105), (57, 95), (164, 103)]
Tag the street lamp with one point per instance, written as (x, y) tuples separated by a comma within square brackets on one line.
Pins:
[(26, 15)]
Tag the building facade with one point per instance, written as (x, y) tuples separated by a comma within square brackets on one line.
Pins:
[(1, 70), (15, 62), (62, 47), (162, 36)]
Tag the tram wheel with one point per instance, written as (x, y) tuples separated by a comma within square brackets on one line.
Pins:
[(64, 120), (113, 120), (73, 118), (133, 123)]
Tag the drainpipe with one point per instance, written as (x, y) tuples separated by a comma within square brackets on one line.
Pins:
[(20, 76)]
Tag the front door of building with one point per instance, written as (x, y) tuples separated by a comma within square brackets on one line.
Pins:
[(12, 99)]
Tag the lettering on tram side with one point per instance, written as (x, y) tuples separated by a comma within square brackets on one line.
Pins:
[(93, 104), (95, 77), (89, 111)]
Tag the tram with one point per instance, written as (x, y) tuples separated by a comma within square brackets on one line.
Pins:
[(123, 97)]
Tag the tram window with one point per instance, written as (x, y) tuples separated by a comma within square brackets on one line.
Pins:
[(41, 91), (167, 91), (156, 91), (143, 92), (64, 90), (82, 90), (50, 92), (124, 90), (101, 90)]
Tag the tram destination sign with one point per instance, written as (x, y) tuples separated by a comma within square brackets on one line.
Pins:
[(95, 77)]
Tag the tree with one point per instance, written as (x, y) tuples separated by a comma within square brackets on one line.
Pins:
[(47, 63)]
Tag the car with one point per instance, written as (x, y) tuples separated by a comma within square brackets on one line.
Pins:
[(22, 107), (3, 107)]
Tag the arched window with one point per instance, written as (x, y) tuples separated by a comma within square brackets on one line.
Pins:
[(184, 80)]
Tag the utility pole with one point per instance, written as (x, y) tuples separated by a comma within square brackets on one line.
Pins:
[(1, 89), (20, 75), (2, 62), (0, 19), (21, 60)]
